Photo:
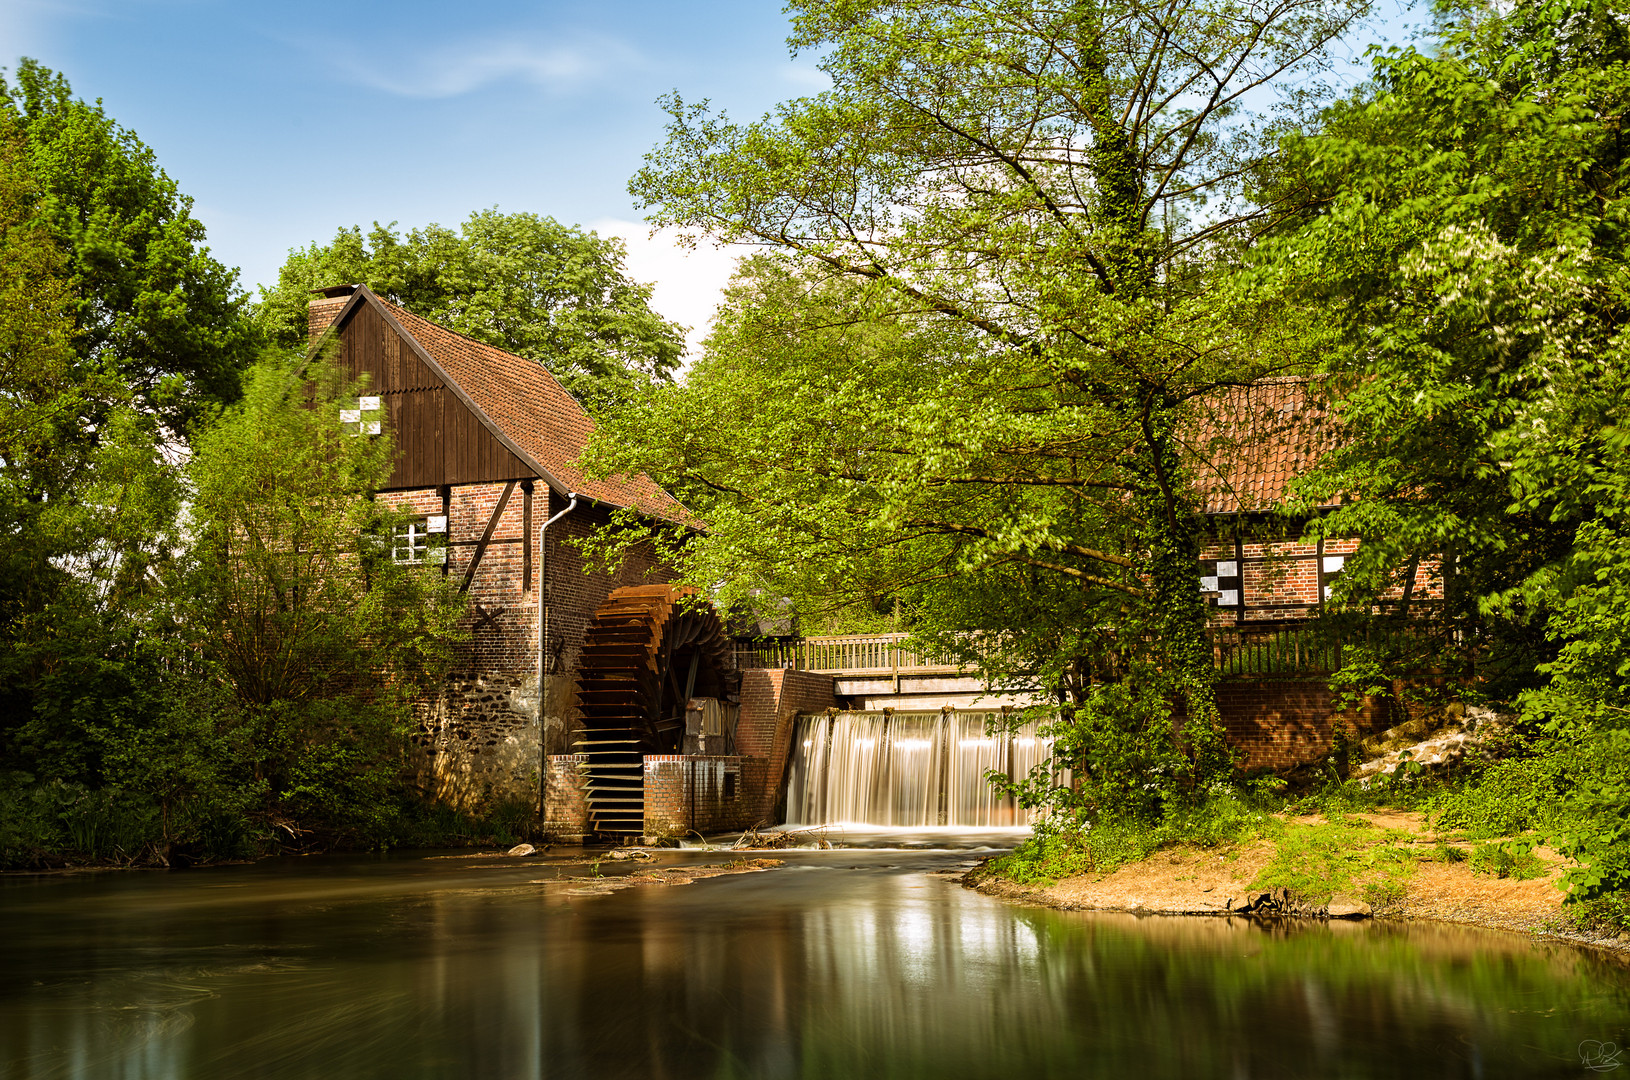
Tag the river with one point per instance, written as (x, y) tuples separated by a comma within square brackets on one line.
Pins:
[(866, 962)]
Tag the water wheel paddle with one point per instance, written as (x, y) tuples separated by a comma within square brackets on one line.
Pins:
[(644, 656)]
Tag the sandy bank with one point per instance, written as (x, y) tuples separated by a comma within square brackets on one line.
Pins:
[(1195, 881)]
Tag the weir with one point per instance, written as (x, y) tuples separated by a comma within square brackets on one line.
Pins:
[(907, 769)]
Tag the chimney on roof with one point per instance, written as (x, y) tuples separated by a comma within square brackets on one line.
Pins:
[(322, 310)]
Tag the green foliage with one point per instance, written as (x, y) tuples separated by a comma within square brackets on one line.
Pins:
[(151, 307), (319, 639), (1508, 859), (246, 681), (1508, 798), (527, 284)]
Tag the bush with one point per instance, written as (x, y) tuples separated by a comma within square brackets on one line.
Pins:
[(1507, 859)]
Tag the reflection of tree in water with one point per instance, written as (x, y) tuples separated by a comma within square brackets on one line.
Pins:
[(804, 971)]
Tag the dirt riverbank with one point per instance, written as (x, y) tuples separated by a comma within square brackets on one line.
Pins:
[(1420, 884)]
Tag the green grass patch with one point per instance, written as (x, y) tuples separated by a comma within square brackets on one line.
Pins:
[(1054, 854), (1316, 862), (1059, 850), (1445, 852)]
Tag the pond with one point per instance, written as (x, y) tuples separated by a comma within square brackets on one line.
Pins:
[(845, 963)]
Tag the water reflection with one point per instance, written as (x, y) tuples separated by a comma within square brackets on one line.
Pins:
[(846, 964)]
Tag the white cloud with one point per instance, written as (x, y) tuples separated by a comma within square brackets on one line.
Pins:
[(463, 67), (688, 284), (806, 76)]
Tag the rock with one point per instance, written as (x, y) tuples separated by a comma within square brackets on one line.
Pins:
[(521, 849), (1345, 907)]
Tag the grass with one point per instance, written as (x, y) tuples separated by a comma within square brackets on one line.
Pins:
[(1341, 856)]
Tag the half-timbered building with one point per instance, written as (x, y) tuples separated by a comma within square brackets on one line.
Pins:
[(486, 450)]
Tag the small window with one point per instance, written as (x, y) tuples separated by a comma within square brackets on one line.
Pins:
[(410, 543), (729, 786)]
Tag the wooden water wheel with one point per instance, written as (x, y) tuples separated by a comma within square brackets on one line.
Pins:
[(644, 656)]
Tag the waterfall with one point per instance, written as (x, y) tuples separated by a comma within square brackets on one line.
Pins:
[(908, 769)]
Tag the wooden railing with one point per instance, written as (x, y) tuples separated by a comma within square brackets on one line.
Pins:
[(870, 653), (1299, 647)]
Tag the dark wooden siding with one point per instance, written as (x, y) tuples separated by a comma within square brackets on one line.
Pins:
[(439, 440)]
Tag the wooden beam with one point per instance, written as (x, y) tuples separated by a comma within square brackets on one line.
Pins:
[(447, 516), (486, 537), (526, 537)]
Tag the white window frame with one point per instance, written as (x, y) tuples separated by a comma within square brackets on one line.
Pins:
[(410, 542)]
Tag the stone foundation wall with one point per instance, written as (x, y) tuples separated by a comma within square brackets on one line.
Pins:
[(478, 743)]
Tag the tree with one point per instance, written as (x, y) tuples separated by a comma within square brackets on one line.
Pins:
[(1048, 200), (39, 393), (527, 284), (319, 640), (151, 305), (1462, 223)]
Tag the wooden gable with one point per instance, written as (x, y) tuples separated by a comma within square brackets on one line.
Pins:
[(441, 437)]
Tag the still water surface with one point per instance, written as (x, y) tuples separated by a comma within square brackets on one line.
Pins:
[(853, 963)]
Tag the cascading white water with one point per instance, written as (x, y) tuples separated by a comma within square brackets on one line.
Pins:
[(907, 769)]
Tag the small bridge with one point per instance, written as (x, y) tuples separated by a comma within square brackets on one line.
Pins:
[(880, 670), (883, 670)]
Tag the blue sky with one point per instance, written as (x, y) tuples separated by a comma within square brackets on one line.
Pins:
[(287, 120)]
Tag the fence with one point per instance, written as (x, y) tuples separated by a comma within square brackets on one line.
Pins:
[(879, 653), (1289, 647)]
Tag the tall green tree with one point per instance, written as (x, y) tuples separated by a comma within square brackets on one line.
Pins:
[(1462, 224), (527, 284), (319, 639), (150, 302), (1052, 196)]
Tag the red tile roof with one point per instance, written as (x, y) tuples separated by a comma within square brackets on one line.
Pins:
[(1252, 441), (535, 412)]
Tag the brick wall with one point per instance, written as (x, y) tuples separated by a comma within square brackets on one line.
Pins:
[(566, 798), (320, 314), (479, 740), (771, 699), (1279, 724), (701, 792), (1281, 572)]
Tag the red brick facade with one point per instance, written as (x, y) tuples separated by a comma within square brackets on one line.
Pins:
[(479, 740), (1280, 724)]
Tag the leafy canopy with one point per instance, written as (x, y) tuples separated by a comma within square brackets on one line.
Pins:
[(152, 306), (971, 379), (527, 284)]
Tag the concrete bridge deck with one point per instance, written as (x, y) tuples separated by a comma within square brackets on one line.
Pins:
[(876, 671)]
